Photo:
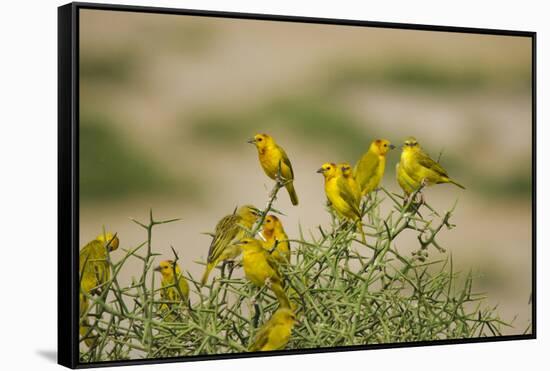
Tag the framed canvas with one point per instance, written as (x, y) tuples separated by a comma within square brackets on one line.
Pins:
[(236, 185)]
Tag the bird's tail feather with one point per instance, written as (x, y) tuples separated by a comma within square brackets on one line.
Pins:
[(209, 267), (456, 184), (292, 193), (280, 294)]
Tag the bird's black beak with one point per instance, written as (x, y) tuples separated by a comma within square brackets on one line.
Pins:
[(251, 141), (157, 269), (320, 171), (392, 146)]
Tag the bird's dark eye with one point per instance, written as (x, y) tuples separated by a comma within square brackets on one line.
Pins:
[(385, 145), (260, 139)]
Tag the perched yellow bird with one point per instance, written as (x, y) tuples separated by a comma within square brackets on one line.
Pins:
[(275, 333), (94, 268), (171, 273), (274, 233), (369, 170), (347, 172), (420, 167), (230, 228), (340, 195), (260, 268), (94, 271), (272, 157)]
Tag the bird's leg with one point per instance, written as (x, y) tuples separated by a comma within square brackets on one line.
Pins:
[(231, 267), (281, 182), (423, 184), (222, 274), (407, 198)]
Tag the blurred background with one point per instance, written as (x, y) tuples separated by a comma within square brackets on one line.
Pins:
[(167, 103)]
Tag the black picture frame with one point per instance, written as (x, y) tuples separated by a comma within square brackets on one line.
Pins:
[(68, 179)]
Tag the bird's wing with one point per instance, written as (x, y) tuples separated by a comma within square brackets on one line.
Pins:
[(184, 286), (94, 268), (425, 160), (368, 163), (84, 255), (286, 161), (261, 338), (91, 253), (226, 230), (273, 263), (347, 195)]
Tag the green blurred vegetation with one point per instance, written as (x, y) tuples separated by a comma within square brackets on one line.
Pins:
[(111, 167), (191, 38), (517, 183), (116, 66), (421, 73)]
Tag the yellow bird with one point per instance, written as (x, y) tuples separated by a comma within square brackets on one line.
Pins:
[(340, 195), (260, 268), (174, 286), (94, 271), (347, 172), (272, 157), (275, 333), (230, 228), (274, 233), (420, 167), (94, 268), (369, 170)]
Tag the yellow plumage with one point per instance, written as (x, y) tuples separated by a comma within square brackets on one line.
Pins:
[(407, 184), (94, 271), (341, 197), (276, 332), (230, 228), (354, 186), (174, 286), (369, 170), (261, 268), (272, 158), (274, 234), (420, 167)]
